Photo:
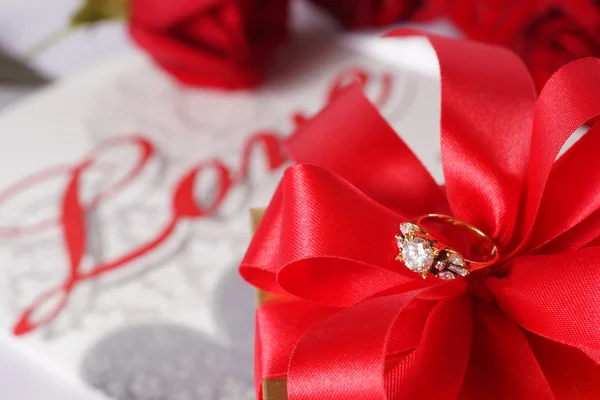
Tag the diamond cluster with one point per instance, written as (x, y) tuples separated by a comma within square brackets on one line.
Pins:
[(420, 255)]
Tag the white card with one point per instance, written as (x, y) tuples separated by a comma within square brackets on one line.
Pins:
[(131, 289)]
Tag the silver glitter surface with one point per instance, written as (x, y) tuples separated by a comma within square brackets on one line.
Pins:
[(172, 362)]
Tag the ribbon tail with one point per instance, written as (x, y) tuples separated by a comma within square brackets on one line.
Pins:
[(502, 365), (554, 296), (571, 374), (436, 369), (343, 357)]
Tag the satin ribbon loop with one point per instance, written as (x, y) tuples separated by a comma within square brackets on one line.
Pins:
[(568, 100), (485, 130), (331, 140), (337, 252), (564, 206), (259, 266)]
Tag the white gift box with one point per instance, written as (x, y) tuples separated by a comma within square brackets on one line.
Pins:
[(174, 321)]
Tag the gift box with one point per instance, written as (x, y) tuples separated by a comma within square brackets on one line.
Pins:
[(273, 389), (377, 283)]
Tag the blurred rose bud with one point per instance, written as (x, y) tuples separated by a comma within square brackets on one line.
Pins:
[(354, 14), (218, 43)]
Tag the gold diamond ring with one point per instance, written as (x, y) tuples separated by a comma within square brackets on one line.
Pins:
[(424, 253)]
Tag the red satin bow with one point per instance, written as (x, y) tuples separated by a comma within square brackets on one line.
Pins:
[(360, 325)]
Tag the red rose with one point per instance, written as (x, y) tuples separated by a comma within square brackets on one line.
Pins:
[(546, 33), (354, 14), (557, 36), (218, 43)]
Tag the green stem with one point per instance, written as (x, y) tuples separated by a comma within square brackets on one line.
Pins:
[(43, 45)]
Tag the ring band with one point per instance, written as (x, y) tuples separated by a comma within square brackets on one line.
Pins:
[(421, 252)]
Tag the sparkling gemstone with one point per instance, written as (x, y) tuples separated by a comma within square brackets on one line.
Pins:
[(400, 241), (446, 276), (440, 265), (459, 270), (417, 254), (455, 259), (407, 227)]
